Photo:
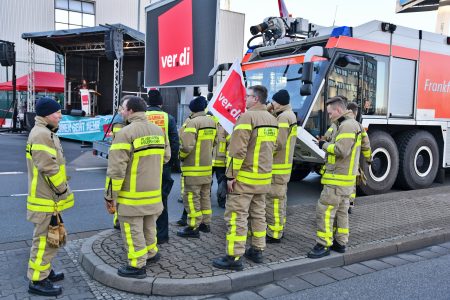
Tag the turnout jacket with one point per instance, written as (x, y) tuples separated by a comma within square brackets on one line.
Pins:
[(135, 162), (251, 150), (220, 149), (48, 189), (287, 137), (198, 136), (343, 151)]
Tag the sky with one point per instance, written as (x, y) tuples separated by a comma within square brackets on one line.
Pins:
[(322, 12)]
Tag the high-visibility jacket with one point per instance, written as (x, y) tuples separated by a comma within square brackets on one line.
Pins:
[(220, 149), (343, 152), (135, 162), (198, 135), (159, 118), (48, 189), (287, 137), (251, 150)]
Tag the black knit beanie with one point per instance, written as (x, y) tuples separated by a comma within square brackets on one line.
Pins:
[(281, 97), (46, 106), (198, 104), (154, 98)]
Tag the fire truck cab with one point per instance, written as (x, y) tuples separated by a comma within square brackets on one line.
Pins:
[(399, 77)]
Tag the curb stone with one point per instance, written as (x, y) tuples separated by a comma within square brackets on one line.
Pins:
[(236, 281)]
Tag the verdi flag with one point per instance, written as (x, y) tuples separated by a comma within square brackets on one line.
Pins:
[(283, 9), (228, 101)]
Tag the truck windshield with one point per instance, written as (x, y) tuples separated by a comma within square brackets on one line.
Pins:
[(284, 76)]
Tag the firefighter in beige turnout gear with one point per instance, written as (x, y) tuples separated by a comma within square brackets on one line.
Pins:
[(48, 191), (249, 174), (282, 166), (197, 139), (339, 179), (137, 154)]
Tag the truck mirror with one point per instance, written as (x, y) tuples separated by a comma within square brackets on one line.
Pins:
[(307, 72), (210, 84), (346, 60), (306, 89)]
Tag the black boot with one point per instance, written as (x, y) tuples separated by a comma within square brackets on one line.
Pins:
[(117, 225), (254, 255), (44, 288), (204, 228), (338, 247), (154, 259), (162, 240), (319, 251), (271, 240), (132, 272), (189, 232), (54, 277), (350, 210), (181, 222), (229, 263)]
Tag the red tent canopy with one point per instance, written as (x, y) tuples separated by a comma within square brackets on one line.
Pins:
[(43, 82)]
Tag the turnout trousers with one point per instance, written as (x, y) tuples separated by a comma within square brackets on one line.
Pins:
[(197, 203), (41, 255), (240, 208), (276, 210), (332, 215), (139, 238)]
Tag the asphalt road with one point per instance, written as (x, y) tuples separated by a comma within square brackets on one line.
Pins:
[(87, 180)]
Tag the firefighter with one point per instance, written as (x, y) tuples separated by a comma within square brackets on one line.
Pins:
[(282, 165), (197, 139), (48, 193), (365, 151), (339, 180), (169, 126), (133, 182), (249, 175), (219, 160)]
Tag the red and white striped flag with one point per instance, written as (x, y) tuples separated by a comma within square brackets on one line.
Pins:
[(283, 10)]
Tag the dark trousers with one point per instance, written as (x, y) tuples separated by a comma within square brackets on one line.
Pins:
[(221, 185), (162, 223)]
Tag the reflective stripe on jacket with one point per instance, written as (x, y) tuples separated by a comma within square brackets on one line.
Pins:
[(251, 150), (343, 153), (47, 180), (287, 137), (198, 135), (135, 164), (220, 149)]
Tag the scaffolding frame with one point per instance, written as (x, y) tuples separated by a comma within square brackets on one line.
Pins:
[(30, 86)]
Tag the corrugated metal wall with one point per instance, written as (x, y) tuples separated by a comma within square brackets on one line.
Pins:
[(231, 36), (18, 16)]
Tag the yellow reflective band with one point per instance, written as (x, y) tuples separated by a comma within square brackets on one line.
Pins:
[(116, 129), (281, 166), (41, 147), (120, 146), (330, 148), (190, 129), (148, 140), (276, 214), (252, 175), (58, 178), (196, 168), (148, 194), (228, 137), (343, 230), (183, 154), (328, 229), (345, 136), (265, 134), (352, 196), (367, 153), (47, 205), (207, 134), (28, 156), (331, 158), (39, 257), (337, 182), (253, 181), (152, 247), (34, 182), (116, 184), (115, 218), (132, 255), (353, 157), (243, 127), (218, 163), (363, 134), (330, 130), (138, 202), (292, 136), (237, 163), (281, 172), (232, 237), (339, 177), (192, 213), (324, 234), (259, 234), (207, 212), (135, 164), (222, 147), (197, 174), (283, 125)]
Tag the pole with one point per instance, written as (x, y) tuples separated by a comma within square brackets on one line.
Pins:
[(14, 92)]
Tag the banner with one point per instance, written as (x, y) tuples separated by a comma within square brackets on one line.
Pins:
[(228, 101), (85, 101), (283, 9), (83, 128)]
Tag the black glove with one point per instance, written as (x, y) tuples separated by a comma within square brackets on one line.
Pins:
[(321, 144)]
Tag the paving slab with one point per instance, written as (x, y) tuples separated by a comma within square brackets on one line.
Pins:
[(271, 290), (338, 273), (295, 284), (359, 269), (317, 278)]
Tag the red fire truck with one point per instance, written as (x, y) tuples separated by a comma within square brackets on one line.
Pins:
[(398, 76)]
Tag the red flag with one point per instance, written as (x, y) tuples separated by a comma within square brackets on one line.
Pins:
[(228, 101), (283, 9)]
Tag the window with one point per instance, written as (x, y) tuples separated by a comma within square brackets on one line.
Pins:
[(74, 14), (375, 85)]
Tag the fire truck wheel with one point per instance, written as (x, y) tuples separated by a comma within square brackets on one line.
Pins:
[(381, 174), (419, 159), (299, 174)]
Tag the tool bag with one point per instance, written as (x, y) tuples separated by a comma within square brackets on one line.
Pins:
[(57, 234)]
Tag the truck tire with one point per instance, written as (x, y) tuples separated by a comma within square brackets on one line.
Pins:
[(381, 174), (419, 159), (299, 174)]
